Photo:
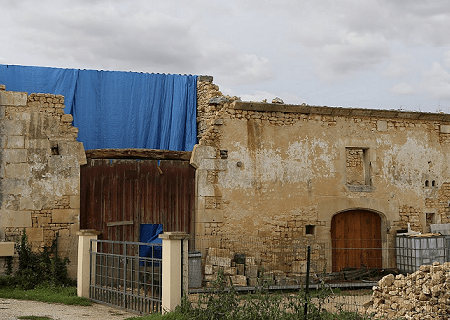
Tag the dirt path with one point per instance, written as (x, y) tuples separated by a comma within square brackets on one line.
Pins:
[(11, 309)]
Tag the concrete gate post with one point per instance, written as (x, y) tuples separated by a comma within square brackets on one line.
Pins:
[(174, 270), (84, 260)]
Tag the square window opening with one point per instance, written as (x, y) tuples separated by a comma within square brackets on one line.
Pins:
[(310, 229)]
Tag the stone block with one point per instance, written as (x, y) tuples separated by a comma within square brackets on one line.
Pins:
[(15, 155), (219, 261), (210, 277), (445, 128), (74, 202), (15, 142), (201, 152), (37, 144), (33, 202), (68, 118), (43, 221), (216, 252), (215, 164), (18, 219), (382, 125), (239, 281), (253, 282), (74, 228), (65, 215), (298, 266), (6, 249), (208, 269), (230, 271), (13, 186), (205, 189), (11, 98), (35, 234), (250, 261), (14, 128), (251, 271), (240, 269)]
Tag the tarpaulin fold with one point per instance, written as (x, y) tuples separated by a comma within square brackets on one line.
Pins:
[(115, 109)]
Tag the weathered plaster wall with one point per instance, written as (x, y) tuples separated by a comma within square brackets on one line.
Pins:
[(39, 172), (284, 167)]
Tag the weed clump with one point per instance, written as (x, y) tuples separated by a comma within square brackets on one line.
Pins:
[(37, 268), (224, 302)]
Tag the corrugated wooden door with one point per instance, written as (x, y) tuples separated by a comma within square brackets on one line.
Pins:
[(119, 195), (356, 240)]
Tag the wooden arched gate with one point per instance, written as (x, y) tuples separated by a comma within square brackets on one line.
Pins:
[(356, 240)]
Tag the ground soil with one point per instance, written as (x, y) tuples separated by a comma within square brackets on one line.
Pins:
[(11, 309)]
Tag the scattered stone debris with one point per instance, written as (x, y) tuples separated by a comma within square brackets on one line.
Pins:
[(278, 100), (423, 294), (218, 100)]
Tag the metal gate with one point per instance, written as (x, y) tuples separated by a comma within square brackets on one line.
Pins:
[(127, 275)]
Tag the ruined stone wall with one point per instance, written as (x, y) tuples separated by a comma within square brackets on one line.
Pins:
[(210, 102), (284, 171), (39, 172)]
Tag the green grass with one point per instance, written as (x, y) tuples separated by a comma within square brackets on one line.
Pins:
[(158, 316), (64, 295)]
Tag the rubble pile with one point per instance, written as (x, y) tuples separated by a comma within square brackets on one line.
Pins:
[(424, 294), (242, 270), (238, 269)]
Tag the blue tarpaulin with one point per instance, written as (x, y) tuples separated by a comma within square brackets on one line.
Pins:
[(149, 233), (115, 109)]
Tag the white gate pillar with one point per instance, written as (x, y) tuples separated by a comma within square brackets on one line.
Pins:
[(173, 250), (84, 261)]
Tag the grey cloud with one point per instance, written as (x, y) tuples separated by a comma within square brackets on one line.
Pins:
[(436, 82), (403, 89), (102, 36), (355, 53), (398, 66)]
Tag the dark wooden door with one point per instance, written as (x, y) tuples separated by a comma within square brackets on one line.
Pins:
[(117, 196), (356, 240)]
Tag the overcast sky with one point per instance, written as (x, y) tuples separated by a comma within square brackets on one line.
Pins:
[(380, 54)]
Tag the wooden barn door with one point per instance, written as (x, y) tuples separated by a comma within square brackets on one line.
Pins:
[(356, 240), (118, 195)]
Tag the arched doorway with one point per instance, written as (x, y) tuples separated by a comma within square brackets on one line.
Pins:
[(356, 240)]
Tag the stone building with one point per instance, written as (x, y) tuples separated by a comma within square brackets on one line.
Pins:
[(280, 173), (39, 172), (319, 174)]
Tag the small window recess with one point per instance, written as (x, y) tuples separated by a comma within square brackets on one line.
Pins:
[(430, 218), (54, 148), (310, 229), (358, 173)]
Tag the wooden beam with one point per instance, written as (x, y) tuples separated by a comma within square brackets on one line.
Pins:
[(149, 154), (119, 223)]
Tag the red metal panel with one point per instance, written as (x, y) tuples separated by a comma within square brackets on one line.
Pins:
[(119, 195)]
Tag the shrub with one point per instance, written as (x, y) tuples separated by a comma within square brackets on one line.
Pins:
[(44, 267)]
